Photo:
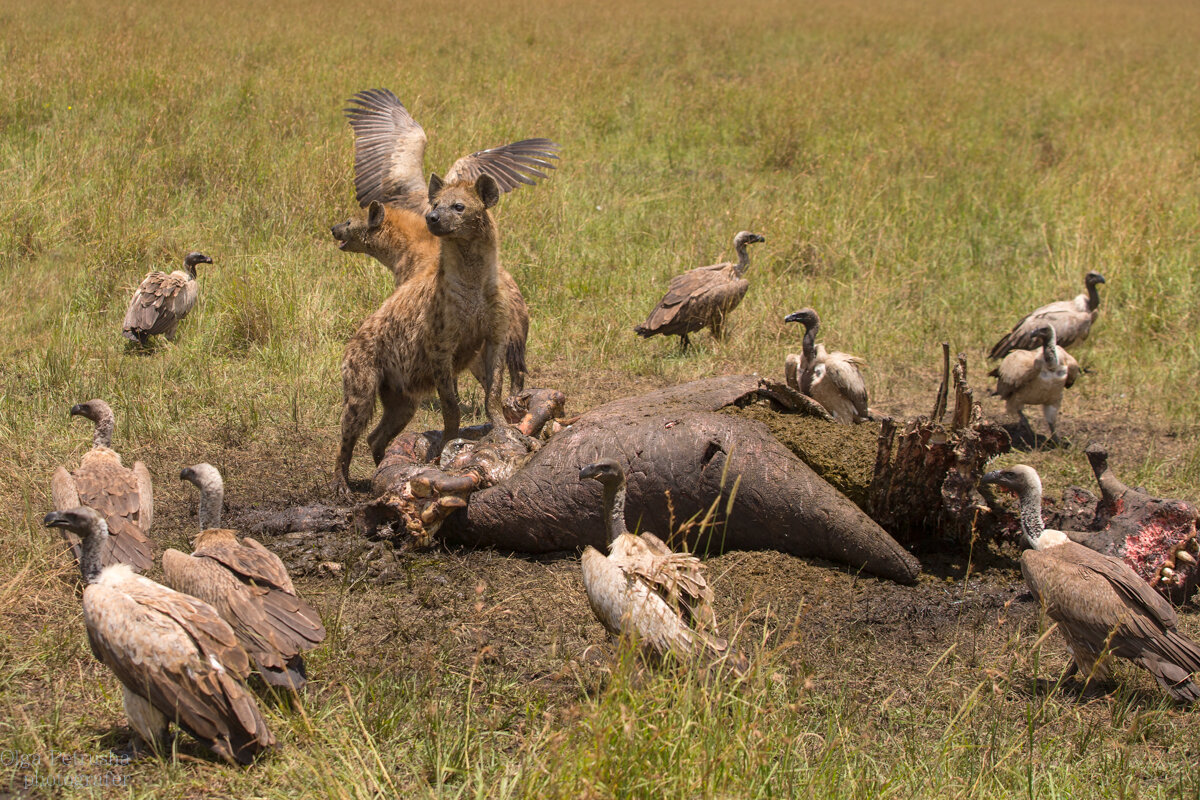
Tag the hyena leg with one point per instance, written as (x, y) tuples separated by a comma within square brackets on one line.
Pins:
[(447, 391), (398, 410), (358, 404), (493, 360)]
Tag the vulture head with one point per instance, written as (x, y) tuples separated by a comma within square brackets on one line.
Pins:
[(207, 479), (744, 238), (1019, 478), (100, 413), (192, 259), (805, 316), (84, 521), (607, 471), (1092, 278)]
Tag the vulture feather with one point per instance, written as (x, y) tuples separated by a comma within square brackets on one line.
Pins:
[(702, 297), (123, 496), (834, 380), (1036, 377), (1101, 605), (1071, 319), (176, 659), (249, 587)]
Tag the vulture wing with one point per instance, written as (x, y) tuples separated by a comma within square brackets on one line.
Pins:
[(175, 652), (1017, 369), (62, 490), (160, 302), (511, 165), (1103, 602), (296, 625), (105, 485), (389, 151), (627, 606), (1070, 325), (692, 297), (145, 494), (844, 371)]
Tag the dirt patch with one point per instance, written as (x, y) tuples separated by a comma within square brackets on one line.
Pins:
[(844, 455)]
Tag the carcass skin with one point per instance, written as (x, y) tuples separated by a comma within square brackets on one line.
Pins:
[(681, 460)]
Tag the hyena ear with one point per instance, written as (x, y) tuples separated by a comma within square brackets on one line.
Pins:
[(488, 190), (375, 214), (435, 186)]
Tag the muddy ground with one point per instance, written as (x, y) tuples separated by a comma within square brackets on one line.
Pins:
[(525, 620)]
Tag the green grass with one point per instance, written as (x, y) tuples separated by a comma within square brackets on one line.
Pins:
[(923, 172)]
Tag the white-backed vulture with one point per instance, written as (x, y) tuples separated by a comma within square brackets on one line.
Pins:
[(1036, 378), (249, 587), (834, 379), (389, 155), (702, 297), (162, 301), (642, 587), (176, 659), (122, 495), (1101, 605), (1071, 319)]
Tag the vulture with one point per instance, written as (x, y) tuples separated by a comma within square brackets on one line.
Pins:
[(122, 495), (1032, 377), (1101, 605), (832, 379), (389, 155), (249, 587), (176, 659), (1071, 319), (644, 588), (702, 297), (162, 301)]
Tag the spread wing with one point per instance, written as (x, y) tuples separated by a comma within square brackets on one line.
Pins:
[(115, 491), (160, 301), (511, 165), (1069, 322), (175, 652), (389, 151)]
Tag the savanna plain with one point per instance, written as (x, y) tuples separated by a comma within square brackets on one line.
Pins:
[(923, 172)]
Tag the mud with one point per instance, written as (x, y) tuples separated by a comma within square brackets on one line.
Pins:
[(844, 455)]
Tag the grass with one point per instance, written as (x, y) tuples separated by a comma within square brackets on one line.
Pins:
[(923, 172)]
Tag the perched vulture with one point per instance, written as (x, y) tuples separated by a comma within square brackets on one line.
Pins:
[(389, 155), (123, 496), (702, 297), (1101, 605), (176, 659), (644, 588), (249, 587), (162, 301), (1036, 378), (1071, 319), (832, 379)]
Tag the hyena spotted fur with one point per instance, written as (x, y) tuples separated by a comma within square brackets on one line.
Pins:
[(451, 308)]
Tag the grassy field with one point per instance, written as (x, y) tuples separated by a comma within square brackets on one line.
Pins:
[(923, 172)]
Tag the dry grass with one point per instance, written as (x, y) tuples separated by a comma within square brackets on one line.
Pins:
[(922, 173)]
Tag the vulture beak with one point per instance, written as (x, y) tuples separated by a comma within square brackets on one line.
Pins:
[(55, 519), (77, 410)]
